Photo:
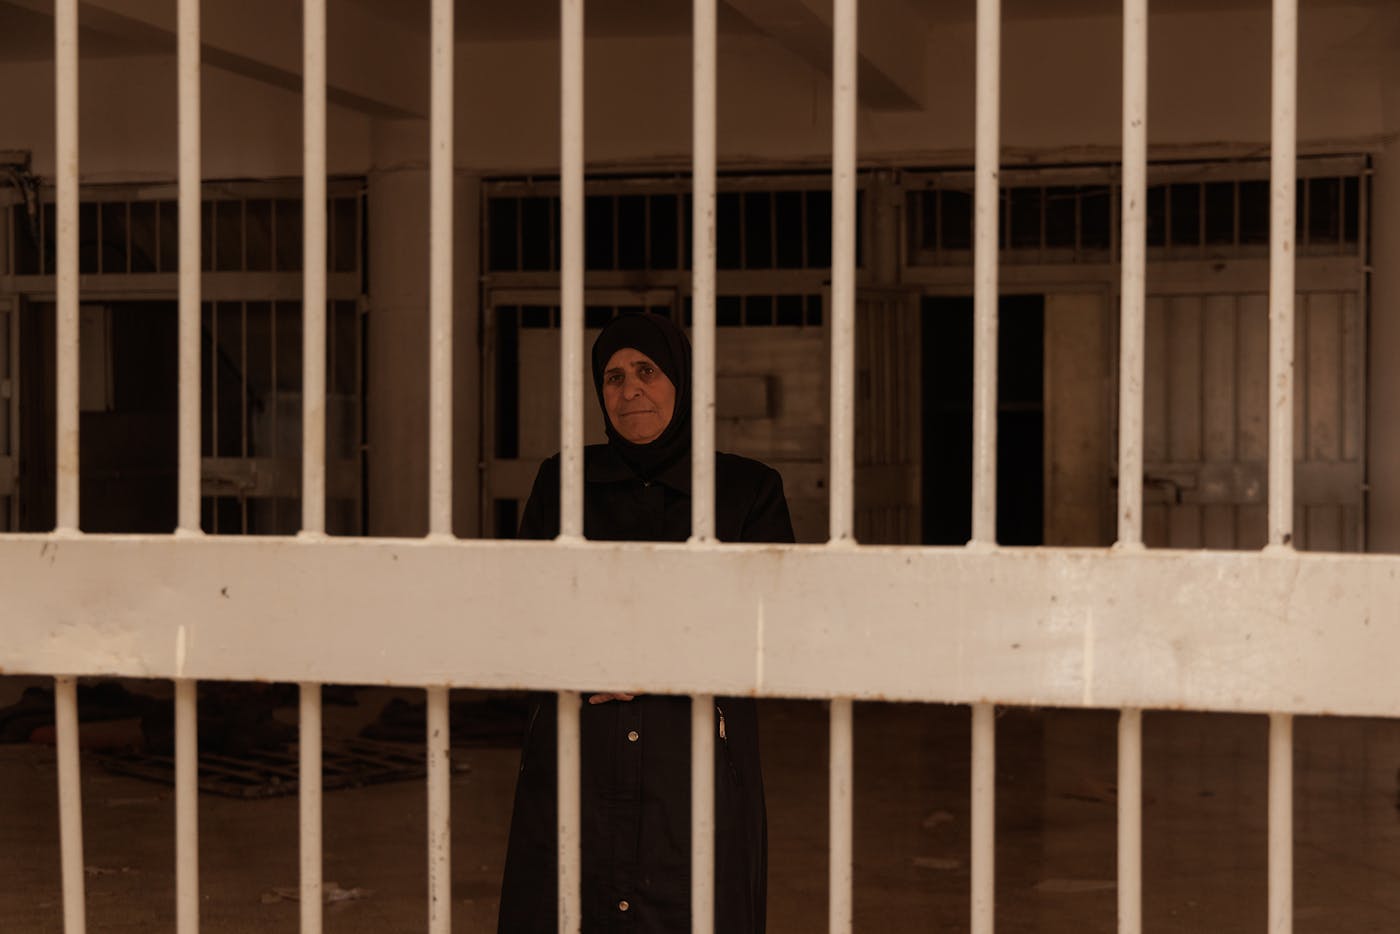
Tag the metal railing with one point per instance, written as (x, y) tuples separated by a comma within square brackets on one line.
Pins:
[(956, 625)]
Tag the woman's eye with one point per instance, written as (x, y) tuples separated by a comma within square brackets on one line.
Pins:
[(648, 371)]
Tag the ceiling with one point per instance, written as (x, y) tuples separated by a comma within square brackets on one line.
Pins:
[(529, 19), (27, 36), (538, 19)]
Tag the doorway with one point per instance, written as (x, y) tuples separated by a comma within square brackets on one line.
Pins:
[(947, 404), (127, 417)]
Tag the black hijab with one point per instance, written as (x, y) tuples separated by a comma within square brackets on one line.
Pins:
[(666, 344)]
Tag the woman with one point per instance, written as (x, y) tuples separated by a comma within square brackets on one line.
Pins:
[(636, 750)]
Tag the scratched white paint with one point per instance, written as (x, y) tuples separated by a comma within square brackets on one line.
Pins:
[(1303, 633)]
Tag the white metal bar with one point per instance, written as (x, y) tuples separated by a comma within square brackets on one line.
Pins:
[(1280, 823), (440, 273), (1283, 173), (984, 786), (70, 805), (702, 814), (571, 271), (66, 119), (309, 777), (1130, 821), (843, 271), (188, 91), (186, 807), (570, 816), (439, 811), (313, 305), (702, 289), (1133, 287), (841, 819), (984, 261)]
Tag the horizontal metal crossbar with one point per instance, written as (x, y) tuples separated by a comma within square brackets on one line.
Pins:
[(1226, 631)]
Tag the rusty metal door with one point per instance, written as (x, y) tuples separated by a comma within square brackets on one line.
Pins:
[(889, 418), (1206, 444)]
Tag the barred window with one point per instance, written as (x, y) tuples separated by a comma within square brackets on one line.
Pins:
[(1187, 218)]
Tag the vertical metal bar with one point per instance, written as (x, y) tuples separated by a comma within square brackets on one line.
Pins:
[(1133, 288), (66, 119), (186, 807), (702, 814), (1280, 823), (984, 785), (214, 373), (1130, 821), (313, 304), (843, 272), (440, 273), (570, 817), (841, 819), (70, 805), (702, 521), (702, 291), (309, 776), (1282, 255), (189, 273), (984, 296), (571, 271), (439, 807)]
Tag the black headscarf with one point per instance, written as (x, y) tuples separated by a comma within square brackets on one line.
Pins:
[(666, 344)]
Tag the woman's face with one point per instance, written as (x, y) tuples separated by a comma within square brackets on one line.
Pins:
[(639, 398)]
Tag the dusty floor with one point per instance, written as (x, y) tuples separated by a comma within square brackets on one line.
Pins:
[(1204, 821)]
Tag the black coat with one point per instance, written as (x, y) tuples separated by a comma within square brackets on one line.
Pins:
[(636, 755)]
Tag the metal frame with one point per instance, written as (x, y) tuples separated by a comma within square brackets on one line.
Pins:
[(1125, 627)]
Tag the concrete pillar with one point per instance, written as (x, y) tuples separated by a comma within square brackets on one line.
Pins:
[(1383, 441), (883, 207), (466, 359), (396, 376), (1383, 456), (397, 351)]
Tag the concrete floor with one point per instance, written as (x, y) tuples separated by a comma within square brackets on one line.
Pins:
[(1204, 823)]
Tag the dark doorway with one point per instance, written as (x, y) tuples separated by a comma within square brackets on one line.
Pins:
[(947, 389), (127, 425)]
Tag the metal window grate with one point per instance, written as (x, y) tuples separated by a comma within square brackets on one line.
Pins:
[(124, 235), (1221, 212), (777, 228)]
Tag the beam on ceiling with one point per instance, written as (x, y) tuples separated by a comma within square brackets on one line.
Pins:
[(374, 66), (892, 37)]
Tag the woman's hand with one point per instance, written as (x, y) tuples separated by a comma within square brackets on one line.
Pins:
[(604, 698)]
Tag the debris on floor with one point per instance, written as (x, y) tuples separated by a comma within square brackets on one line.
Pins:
[(936, 818), (107, 871), (935, 862), (331, 893), (1073, 886)]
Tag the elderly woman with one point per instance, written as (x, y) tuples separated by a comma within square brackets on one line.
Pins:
[(636, 750)]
